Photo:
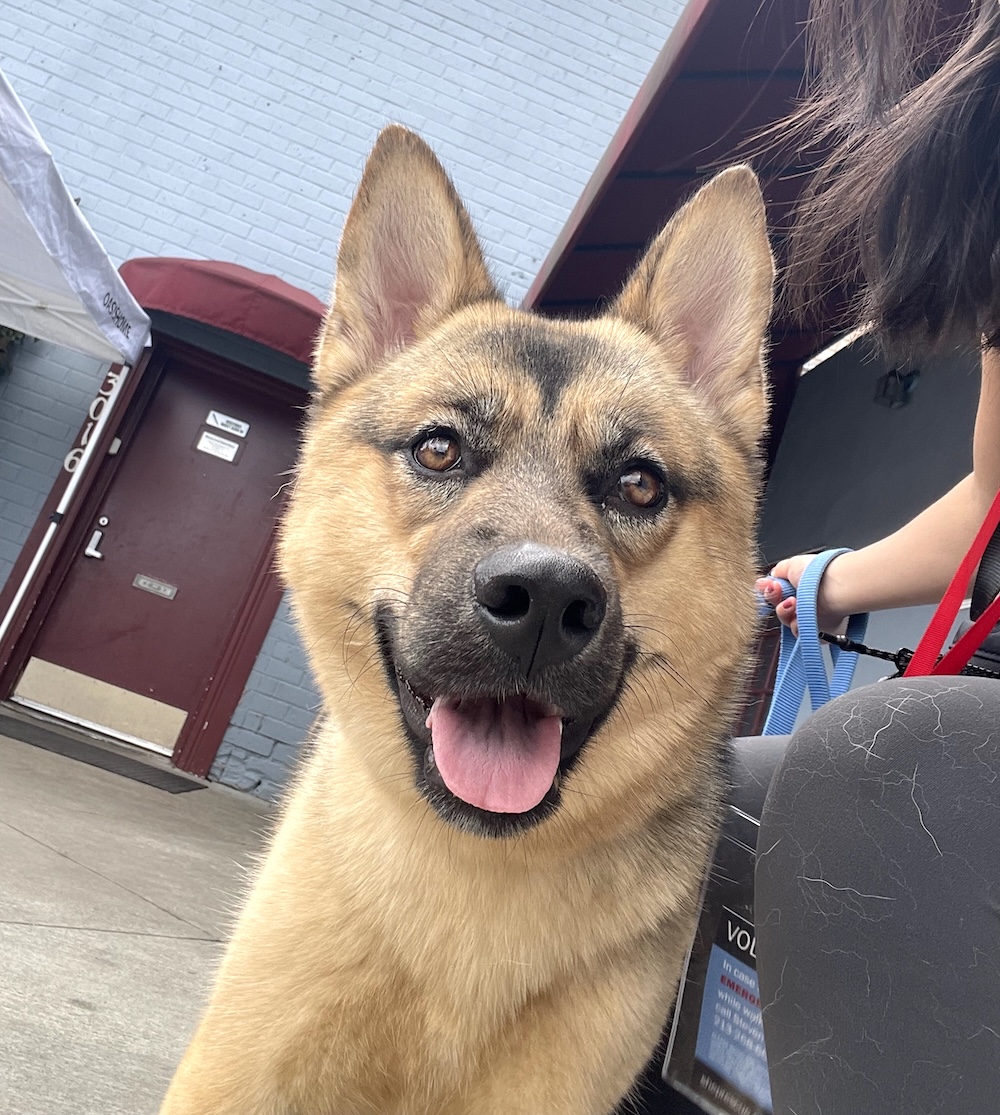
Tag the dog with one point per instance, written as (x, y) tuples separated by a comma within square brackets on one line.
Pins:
[(521, 555)]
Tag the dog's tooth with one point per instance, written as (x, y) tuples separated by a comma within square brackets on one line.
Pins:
[(555, 783)]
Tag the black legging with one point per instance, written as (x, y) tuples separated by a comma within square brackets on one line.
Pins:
[(878, 905)]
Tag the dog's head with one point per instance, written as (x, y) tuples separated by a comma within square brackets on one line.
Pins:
[(520, 549)]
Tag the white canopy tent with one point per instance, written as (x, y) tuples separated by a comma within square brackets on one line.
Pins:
[(57, 284), (56, 280)]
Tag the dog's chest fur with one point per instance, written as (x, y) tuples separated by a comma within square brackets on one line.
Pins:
[(426, 962)]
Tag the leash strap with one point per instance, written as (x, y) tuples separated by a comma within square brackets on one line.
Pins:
[(925, 657), (801, 664)]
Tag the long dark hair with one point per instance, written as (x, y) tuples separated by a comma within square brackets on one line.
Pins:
[(904, 105)]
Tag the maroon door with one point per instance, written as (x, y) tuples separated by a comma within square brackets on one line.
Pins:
[(173, 552)]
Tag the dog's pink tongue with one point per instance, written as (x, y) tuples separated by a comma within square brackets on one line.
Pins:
[(497, 755)]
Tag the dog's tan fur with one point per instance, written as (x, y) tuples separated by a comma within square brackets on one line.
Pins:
[(386, 961)]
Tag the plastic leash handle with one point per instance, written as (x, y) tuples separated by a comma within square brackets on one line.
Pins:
[(801, 664)]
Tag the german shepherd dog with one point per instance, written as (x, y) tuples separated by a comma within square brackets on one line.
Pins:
[(521, 556)]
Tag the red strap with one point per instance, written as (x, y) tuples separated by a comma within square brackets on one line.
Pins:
[(955, 661), (924, 660)]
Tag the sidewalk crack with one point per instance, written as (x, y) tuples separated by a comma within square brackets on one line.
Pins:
[(106, 878), (120, 932)]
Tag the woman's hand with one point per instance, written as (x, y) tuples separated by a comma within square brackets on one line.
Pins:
[(791, 569)]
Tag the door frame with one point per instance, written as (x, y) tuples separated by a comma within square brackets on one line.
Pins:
[(206, 724)]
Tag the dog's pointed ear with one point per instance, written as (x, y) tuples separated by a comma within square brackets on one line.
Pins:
[(703, 290), (408, 257)]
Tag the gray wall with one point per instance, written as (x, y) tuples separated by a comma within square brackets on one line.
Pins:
[(43, 401), (274, 716), (849, 471)]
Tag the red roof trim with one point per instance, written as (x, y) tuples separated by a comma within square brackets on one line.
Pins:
[(668, 65), (262, 308)]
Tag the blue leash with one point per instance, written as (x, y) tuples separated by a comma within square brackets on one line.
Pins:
[(800, 664)]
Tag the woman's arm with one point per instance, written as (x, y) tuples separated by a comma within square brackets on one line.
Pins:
[(914, 564)]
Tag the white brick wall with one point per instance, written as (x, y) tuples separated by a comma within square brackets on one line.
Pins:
[(236, 129)]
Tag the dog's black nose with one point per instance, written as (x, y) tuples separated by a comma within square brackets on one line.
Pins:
[(540, 605)]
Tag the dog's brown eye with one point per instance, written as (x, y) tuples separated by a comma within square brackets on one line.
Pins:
[(642, 487), (439, 452)]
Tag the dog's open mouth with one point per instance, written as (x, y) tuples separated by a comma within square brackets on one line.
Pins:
[(489, 764), (501, 755), (493, 762), (492, 765)]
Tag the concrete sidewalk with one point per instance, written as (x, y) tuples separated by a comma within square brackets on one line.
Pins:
[(114, 898)]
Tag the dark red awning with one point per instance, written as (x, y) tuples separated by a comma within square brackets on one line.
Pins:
[(262, 308)]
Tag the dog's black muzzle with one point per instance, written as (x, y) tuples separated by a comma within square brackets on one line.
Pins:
[(525, 620)]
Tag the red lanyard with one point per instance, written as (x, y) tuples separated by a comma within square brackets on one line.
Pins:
[(925, 657)]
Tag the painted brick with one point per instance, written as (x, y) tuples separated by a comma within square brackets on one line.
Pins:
[(303, 715), (240, 778), (42, 403), (252, 742), (236, 72), (281, 725), (289, 680), (280, 730), (272, 775), (245, 717), (237, 129)]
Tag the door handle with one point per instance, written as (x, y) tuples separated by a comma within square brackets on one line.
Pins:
[(95, 540)]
